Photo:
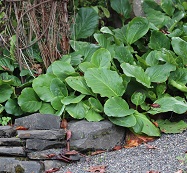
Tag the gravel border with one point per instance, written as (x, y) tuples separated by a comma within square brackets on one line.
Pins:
[(140, 159)]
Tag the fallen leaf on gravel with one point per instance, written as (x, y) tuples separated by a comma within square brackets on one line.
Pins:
[(150, 146), (117, 147), (97, 152), (133, 140), (72, 152), (100, 168), (179, 171), (52, 170), (68, 172), (153, 172), (21, 128)]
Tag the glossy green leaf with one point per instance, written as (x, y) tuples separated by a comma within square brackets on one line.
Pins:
[(1, 108), (6, 64), (78, 83), (29, 101), (41, 86), (137, 72), (136, 29), (58, 88), (77, 111), (105, 82), (101, 58), (85, 66), (5, 92), (47, 108), (169, 104), (179, 46), (117, 107), (171, 127), (122, 7), (123, 54), (95, 104), (91, 115), (138, 98), (12, 107), (86, 22), (158, 41), (56, 103), (62, 69), (168, 6), (160, 73), (144, 125), (72, 99), (128, 121)]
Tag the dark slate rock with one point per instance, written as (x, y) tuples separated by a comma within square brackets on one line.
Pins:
[(42, 134), (37, 155), (11, 142), (95, 135), (39, 122), (7, 131), (12, 151), (11, 165), (38, 144)]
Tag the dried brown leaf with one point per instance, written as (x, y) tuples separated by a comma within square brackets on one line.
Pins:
[(64, 124), (21, 128), (97, 152), (117, 147), (133, 140), (52, 170), (51, 155), (150, 146), (99, 168)]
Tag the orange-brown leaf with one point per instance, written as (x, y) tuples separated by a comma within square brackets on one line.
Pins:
[(153, 171), (97, 152), (100, 168), (52, 170), (68, 135), (150, 146), (21, 128), (117, 147), (64, 124), (133, 140), (51, 155)]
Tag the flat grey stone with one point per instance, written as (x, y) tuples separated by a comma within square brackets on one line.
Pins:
[(11, 165), (95, 135), (12, 151), (48, 164), (42, 134), (7, 131), (37, 155), (39, 122), (11, 142), (38, 144)]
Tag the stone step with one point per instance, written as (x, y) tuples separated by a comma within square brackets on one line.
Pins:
[(12, 151), (7, 131), (11, 142), (58, 134), (12, 165)]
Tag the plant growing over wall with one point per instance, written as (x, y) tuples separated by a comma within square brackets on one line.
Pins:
[(130, 73)]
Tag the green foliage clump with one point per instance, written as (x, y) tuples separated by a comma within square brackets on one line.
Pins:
[(126, 75)]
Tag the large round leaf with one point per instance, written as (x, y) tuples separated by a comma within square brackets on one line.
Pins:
[(136, 29), (101, 58), (5, 92), (138, 98), (138, 73), (105, 82), (117, 107), (77, 111), (29, 101), (144, 125), (41, 86), (127, 121), (91, 115), (78, 83), (62, 69), (58, 88), (46, 108), (13, 108), (86, 22)]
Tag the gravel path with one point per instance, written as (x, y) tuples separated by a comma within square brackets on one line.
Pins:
[(140, 159)]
